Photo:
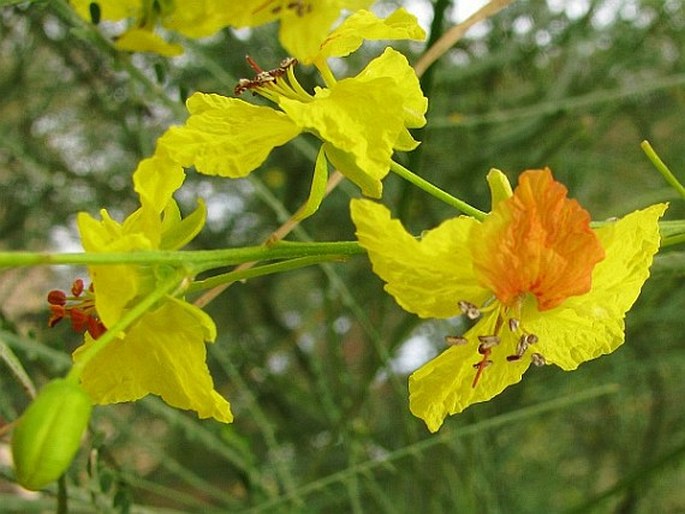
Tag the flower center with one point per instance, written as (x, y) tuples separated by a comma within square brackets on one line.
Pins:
[(79, 307), (537, 241), (507, 327)]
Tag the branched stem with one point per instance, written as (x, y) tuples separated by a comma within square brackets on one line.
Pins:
[(201, 260)]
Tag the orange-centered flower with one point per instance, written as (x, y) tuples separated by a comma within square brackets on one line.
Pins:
[(542, 286)]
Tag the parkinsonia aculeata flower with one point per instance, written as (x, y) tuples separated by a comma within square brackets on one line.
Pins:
[(541, 285)]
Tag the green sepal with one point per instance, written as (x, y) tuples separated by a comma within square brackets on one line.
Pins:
[(318, 189), (178, 232)]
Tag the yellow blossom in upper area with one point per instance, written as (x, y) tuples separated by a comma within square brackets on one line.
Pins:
[(163, 352), (195, 19), (361, 120), (304, 24), (542, 286)]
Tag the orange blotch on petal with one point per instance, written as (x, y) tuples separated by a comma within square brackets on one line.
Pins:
[(537, 241)]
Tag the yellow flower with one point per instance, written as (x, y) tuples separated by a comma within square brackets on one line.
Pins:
[(230, 137), (544, 287), (163, 353), (195, 19), (304, 24)]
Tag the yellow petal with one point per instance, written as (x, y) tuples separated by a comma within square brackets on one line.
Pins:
[(370, 185), (364, 25), (200, 18), (142, 40), (226, 136), (587, 326), (163, 354), (444, 385), (302, 35), (156, 179), (353, 117), (116, 284), (427, 277), (394, 65)]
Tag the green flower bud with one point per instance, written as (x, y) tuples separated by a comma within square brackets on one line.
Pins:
[(48, 434)]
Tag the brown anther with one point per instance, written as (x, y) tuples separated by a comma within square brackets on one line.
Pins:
[(469, 309), (487, 343), (512, 358), (482, 364), (538, 359), (57, 297), (514, 324), (531, 339), (77, 287), (522, 345), (455, 340), (262, 77)]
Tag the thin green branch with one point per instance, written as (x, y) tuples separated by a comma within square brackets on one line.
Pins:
[(436, 192), (259, 271), (662, 168)]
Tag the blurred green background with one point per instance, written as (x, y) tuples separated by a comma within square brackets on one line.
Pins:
[(315, 361)]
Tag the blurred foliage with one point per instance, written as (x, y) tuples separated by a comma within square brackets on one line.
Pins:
[(315, 361)]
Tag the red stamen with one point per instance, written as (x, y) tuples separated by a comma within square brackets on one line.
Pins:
[(480, 366), (57, 315), (77, 287), (79, 320), (95, 327), (57, 297), (79, 309), (253, 64)]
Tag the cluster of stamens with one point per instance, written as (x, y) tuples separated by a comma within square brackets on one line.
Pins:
[(79, 308), (487, 342), (263, 77)]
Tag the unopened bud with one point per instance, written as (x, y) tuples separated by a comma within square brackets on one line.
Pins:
[(48, 434)]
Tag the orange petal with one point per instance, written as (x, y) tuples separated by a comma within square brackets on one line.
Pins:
[(539, 242)]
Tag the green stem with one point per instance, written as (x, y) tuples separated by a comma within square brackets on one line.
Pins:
[(172, 284), (662, 168), (267, 269), (672, 240), (202, 260), (436, 191)]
